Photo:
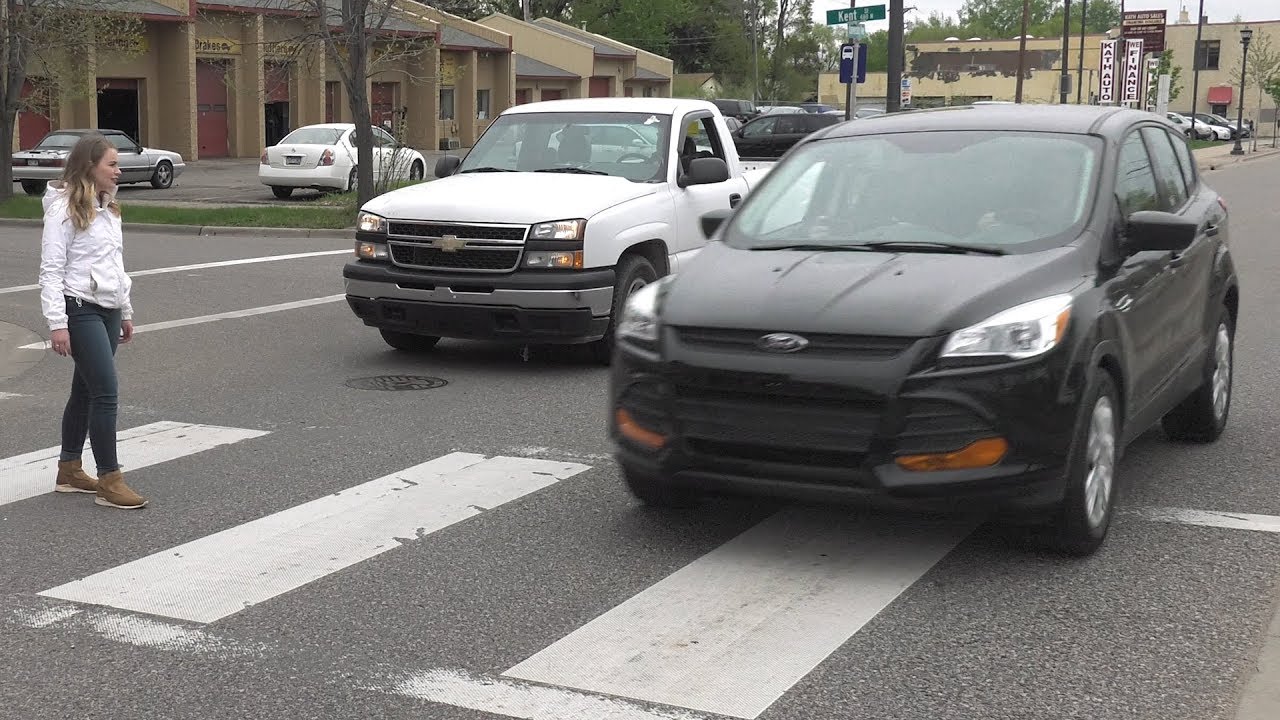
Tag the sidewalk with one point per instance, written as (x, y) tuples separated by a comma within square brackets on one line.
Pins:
[(1219, 156)]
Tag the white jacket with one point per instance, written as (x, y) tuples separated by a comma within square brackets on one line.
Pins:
[(88, 265)]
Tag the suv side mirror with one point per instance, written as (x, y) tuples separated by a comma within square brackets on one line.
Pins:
[(705, 171), (712, 221), (1153, 230), (446, 165)]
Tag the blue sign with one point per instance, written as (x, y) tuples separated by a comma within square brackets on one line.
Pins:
[(846, 63)]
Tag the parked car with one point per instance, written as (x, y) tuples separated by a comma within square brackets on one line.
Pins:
[(1231, 125), (743, 110), (324, 157), (1202, 131), (45, 161), (771, 135), (880, 321), (540, 234)]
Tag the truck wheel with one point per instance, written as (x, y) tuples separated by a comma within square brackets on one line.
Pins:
[(408, 342), (634, 272), (1202, 416), (652, 491), (34, 187)]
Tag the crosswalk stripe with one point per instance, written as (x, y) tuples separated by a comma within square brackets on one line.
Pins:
[(732, 631), (221, 574), (31, 474), (202, 266), (230, 315), (1210, 518)]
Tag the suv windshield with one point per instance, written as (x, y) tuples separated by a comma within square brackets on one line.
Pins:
[(625, 145), (1009, 191)]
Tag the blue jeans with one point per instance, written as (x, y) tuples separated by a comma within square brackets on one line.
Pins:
[(91, 410)]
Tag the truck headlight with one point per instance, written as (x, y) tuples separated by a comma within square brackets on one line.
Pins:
[(368, 222), (1018, 333), (639, 319), (558, 230), (366, 250), (553, 260)]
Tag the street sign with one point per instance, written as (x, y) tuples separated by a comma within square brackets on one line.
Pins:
[(841, 16), (847, 63), (905, 98), (857, 31), (1147, 26)]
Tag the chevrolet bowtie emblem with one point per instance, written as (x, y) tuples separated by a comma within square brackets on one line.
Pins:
[(451, 243)]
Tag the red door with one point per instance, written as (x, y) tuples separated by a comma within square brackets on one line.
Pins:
[(330, 101), (552, 94), (600, 87), (383, 102), (211, 108), (522, 96), (33, 123)]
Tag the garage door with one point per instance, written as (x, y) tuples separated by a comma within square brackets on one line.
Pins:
[(211, 108), (33, 123), (600, 86)]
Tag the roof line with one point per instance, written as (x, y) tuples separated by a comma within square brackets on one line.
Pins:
[(537, 27)]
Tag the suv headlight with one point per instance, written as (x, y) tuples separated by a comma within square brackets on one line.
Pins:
[(368, 222), (639, 319), (558, 230), (1018, 333)]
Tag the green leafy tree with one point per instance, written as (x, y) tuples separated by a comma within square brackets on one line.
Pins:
[(1263, 67), (1174, 72)]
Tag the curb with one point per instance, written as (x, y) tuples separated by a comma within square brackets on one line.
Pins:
[(1260, 699), (210, 230)]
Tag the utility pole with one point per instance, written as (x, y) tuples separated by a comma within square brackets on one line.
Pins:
[(1022, 49), (755, 49), (1066, 52), (1195, 64), (897, 56), (848, 89), (1084, 15), (528, 11)]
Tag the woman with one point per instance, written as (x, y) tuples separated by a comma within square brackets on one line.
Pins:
[(84, 292)]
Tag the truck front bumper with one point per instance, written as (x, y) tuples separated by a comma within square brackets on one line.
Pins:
[(531, 306)]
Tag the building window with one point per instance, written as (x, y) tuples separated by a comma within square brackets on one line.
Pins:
[(1207, 58), (446, 103), (482, 104)]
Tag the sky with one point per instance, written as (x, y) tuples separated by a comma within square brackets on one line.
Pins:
[(1216, 10)]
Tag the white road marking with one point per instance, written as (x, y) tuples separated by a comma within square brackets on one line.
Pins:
[(231, 315), (31, 474), (1210, 518), (132, 630), (735, 629), (202, 266), (519, 700), (221, 574), (8, 395)]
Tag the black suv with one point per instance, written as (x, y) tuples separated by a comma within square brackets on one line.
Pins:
[(981, 304)]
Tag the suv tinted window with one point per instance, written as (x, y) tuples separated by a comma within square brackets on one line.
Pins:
[(1184, 159), (1173, 187), (1135, 183), (791, 125)]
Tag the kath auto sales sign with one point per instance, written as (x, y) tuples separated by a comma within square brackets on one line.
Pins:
[(1147, 26)]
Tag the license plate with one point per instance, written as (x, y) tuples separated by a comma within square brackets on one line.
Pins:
[(293, 161), (33, 163)]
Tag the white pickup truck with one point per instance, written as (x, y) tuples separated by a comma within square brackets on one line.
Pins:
[(560, 211)]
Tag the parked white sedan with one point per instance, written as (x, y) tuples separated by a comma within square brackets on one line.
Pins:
[(323, 157)]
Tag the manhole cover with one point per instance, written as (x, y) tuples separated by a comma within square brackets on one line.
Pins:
[(396, 382)]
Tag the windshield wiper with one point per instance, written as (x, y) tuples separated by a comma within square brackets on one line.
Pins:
[(486, 169), (815, 247), (572, 170), (913, 246)]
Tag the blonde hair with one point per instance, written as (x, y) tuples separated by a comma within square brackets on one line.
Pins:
[(77, 178)]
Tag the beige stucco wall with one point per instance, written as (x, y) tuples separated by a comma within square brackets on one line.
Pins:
[(1041, 87), (1182, 39), (545, 46)]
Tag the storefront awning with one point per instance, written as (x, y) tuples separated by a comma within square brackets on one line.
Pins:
[(1220, 95)]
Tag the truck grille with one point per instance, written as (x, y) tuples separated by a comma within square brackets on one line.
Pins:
[(449, 246)]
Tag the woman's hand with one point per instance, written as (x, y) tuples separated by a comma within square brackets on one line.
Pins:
[(126, 331), (60, 341)]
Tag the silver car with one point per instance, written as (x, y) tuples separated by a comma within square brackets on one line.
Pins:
[(44, 162)]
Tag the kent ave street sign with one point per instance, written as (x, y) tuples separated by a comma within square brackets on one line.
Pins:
[(841, 16)]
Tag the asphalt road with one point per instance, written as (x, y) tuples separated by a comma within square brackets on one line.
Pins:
[(476, 587)]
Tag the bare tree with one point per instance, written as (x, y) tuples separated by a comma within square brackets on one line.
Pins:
[(54, 35)]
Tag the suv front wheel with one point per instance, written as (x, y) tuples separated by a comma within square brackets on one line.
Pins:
[(1202, 416)]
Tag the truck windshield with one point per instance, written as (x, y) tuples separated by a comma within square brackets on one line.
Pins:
[(625, 145), (1006, 191)]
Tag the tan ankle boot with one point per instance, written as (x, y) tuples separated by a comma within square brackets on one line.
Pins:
[(112, 492), (72, 479)]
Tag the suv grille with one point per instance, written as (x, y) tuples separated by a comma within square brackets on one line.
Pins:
[(842, 345), (933, 426)]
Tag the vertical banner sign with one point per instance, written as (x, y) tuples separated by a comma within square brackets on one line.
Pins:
[(1107, 74), (1132, 72), (1152, 89)]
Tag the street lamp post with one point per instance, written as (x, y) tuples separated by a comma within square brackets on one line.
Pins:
[(1245, 36)]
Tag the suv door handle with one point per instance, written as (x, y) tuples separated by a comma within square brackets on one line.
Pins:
[(734, 199)]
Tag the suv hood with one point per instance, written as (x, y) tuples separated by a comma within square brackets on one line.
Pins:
[(860, 292), (516, 197)]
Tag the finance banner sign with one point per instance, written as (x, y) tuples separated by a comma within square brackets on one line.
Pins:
[(1132, 71), (1107, 76)]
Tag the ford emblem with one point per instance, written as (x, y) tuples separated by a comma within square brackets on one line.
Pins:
[(781, 343)]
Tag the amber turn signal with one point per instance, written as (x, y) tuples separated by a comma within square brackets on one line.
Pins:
[(981, 453), (632, 430)]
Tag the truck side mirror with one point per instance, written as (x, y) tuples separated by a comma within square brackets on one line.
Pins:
[(712, 221), (447, 165), (705, 171)]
